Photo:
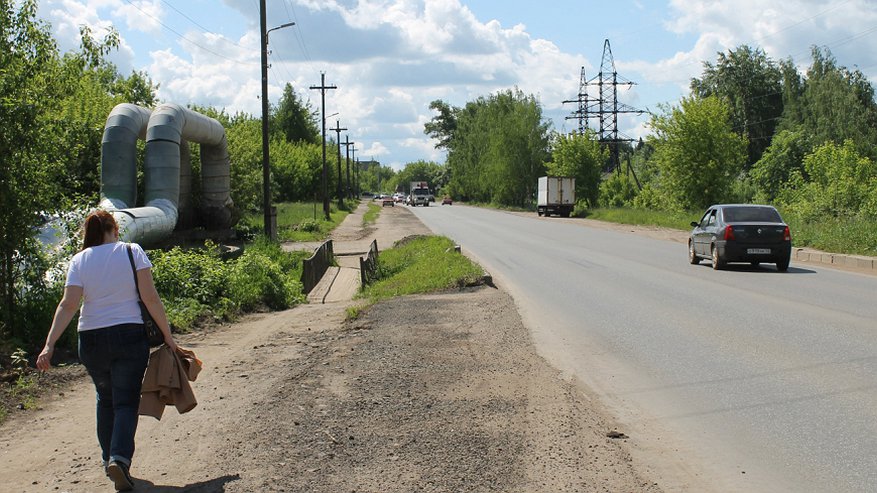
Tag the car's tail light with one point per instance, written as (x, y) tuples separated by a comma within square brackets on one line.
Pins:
[(787, 235), (729, 233)]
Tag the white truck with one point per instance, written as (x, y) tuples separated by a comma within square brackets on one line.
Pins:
[(556, 195), (419, 194)]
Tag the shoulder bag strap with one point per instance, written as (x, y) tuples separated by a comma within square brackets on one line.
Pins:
[(134, 270)]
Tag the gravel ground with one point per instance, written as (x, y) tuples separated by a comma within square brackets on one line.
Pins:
[(435, 393)]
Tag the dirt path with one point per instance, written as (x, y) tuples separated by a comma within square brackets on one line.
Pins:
[(441, 393)]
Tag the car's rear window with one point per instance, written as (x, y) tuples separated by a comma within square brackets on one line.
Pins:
[(751, 214)]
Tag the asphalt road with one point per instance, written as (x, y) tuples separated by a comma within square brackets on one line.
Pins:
[(738, 380)]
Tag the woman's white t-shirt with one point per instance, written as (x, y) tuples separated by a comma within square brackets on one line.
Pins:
[(108, 291)]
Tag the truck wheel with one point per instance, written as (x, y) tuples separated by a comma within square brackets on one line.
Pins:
[(539, 212)]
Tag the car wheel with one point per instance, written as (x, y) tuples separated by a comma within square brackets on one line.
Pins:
[(718, 262), (783, 265), (692, 257)]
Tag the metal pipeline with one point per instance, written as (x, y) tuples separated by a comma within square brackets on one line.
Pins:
[(166, 130)]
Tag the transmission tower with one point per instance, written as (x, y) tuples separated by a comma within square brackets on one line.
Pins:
[(604, 108)]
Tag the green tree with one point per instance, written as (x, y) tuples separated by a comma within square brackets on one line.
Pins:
[(375, 177), (296, 171), (497, 148), (295, 119), (428, 171), (784, 157), (835, 104), (751, 84), (442, 126), (697, 153), (581, 157), (29, 88), (839, 183), (244, 134)]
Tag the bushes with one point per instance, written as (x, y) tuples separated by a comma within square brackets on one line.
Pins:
[(198, 284)]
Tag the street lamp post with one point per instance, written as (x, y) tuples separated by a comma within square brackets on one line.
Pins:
[(266, 165)]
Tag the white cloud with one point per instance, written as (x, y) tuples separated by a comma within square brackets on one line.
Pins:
[(391, 58), (140, 15)]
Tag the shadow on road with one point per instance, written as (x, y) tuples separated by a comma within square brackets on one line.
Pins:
[(210, 486)]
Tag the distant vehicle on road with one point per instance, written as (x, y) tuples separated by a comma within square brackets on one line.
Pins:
[(741, 233), (556, 195), (447, 201), (419, 194)]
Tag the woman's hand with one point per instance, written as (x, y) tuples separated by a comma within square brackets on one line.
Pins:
[(44, 360), (169, 342)]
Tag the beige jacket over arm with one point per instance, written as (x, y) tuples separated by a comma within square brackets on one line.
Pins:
[(166, 382)]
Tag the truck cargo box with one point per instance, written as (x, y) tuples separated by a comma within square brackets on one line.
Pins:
[(556, 195)]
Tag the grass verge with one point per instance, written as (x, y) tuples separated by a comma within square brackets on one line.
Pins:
[(851, 237), (644, 217), (299, 221), (371, 215), (854, 237), (422, 264)]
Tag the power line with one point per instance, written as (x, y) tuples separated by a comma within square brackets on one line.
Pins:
[(208, 50)]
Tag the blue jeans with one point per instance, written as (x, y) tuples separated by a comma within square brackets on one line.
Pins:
[(116, 359)]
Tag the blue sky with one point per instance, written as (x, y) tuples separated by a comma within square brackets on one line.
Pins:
[(390, 58)]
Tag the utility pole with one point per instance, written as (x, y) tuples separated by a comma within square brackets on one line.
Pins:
[(357, 173), (338, 130), (325, 181), (347, 145)]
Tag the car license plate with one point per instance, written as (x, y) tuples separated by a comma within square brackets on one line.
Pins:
[(758, 251)]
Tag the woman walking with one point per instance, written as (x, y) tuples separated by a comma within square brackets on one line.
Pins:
[(112, 339)]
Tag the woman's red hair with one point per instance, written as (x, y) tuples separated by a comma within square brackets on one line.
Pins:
[(96, 224)]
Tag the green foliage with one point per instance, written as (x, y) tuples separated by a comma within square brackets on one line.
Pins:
[(258, 278), (618, 190), (298, 221), (697, 154), (443, 126), (295, 119), (645, 217), (750, 84), (497, 146), (198, 284), (296, 170), (244, 137), (784, 157), (374, 177), (841, 235), (834, 104), (29, 88), (581, 157), (839, 183), (422, 265), (433, 173)]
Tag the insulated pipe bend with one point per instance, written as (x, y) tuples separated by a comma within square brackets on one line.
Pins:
[(169, 126), (166, 128)]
